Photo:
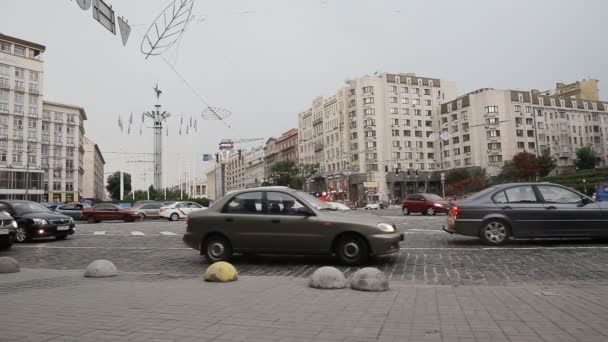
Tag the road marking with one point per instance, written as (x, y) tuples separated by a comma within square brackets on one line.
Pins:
[(500, 248), (168, 233), (96, 247), (99, 233), (137, 233)]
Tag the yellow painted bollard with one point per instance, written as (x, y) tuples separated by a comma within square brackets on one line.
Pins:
[(221, 271)]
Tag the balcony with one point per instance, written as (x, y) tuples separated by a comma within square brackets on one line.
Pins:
[(317, 121), (34, 91), (19, 89), (5, 85), (318, 147)]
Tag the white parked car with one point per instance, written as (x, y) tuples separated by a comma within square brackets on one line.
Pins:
[(179, 210), (373, 205), (339, 206)]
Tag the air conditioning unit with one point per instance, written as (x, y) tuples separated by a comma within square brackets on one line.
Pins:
[(468, 153)]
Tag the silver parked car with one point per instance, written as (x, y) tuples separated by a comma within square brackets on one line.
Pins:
[(528, 210), (149, 210)]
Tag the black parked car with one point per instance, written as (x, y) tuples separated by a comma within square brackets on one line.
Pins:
[(8, 228), (528, 210), (72, 210), (34, 220)]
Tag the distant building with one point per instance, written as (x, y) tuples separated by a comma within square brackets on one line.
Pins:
[(254, 167), (271, 155), (373, 127), (93, 179), (287, 144), (583, 90), (489, 126), (198, 189)]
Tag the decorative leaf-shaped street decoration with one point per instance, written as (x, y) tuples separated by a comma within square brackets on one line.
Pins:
[(167, 28)]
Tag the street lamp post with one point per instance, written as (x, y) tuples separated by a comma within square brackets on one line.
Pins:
[(585, 185)]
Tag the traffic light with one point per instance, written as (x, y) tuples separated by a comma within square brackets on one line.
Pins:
[(217, 157), (396, 171), (240, 154), (417, 172), (409, 172), (386, 168)]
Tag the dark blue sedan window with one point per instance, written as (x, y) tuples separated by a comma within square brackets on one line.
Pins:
[(521, 194)]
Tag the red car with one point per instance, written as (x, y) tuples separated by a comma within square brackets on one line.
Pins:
[(429, 204), (108, 211)]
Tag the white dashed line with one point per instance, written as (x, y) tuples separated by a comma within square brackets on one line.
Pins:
[(99, 233), (168, 233), (137, 233)]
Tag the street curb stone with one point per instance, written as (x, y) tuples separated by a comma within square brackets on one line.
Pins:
[(9, 265), (369, 279), (327, 277), (100, 269)]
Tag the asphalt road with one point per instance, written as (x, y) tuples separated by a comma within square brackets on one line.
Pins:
[(427, 256)]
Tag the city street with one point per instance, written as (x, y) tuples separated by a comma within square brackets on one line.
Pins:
[(428, 255)]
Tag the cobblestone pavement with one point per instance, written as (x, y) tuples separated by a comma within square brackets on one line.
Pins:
[(428, 255), (51, 305)]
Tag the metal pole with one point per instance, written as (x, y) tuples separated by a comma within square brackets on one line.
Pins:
[(27, 174), (122, 186)]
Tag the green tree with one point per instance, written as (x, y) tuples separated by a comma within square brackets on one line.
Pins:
[(546, 163), (507, 172), (585, 158), (113, 184), (309, 170), (283, 172), (525, 165)]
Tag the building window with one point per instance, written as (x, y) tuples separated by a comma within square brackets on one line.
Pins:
[(493, 121), (5, 69), (529, 121), (520, 145), (404, 90), (467, 149), (495, 158), (19, 50), (519, 132), (427, 91), (393, 100), (517, 108), (467, 161), (528, 109), (416, 101), (406, 111), (466, 137), (395, 132), (405, 100), (531, 145), (368, 90), (19, 72), (370, 134), (530, 133), (407, 133), (455, 140), (396, 143), (368, 100), (394, 110), (429, 144), (492, 109), (427, 102), (493, 133), (493, 146), (457, 151), (369, 111)]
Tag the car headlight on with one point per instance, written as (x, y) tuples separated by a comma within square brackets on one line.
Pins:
[(438, 205), (14, 224), (39, 221), (385, 227)]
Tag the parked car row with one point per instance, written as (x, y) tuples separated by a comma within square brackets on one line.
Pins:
[(22, 221)]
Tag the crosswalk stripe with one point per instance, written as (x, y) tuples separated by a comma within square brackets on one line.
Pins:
[(136, 233), (100, 233), (168, 233)]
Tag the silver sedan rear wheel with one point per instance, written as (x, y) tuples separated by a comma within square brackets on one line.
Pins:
[(495, 233), (20, 234)]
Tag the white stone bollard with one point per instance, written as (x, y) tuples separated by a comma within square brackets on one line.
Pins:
[(327, 278), (100, 269)]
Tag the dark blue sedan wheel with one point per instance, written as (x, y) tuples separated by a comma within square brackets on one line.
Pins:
[(495, 232)]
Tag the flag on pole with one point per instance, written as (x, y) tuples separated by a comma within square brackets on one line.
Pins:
[(207, 157)]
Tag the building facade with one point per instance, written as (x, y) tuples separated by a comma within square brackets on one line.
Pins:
[(287, 145), (41, 142), (62, 151), (489, 126), (271, 155), (371, 129), (235, 171), (93, 179), (254, 167)]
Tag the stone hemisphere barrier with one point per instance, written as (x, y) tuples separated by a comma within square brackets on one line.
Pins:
[(9, 265), (100, 269), (220, 271), (369, 279), (327, 278)]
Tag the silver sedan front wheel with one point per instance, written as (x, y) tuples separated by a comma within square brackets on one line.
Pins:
[(495, 233)]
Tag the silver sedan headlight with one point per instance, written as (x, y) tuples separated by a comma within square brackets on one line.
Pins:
[(39, 221), (385, 227), (14, 224)]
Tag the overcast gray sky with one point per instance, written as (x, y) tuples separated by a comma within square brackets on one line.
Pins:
[(266, 60)]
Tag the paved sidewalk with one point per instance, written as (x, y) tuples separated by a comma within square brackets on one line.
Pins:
[(50, 305)]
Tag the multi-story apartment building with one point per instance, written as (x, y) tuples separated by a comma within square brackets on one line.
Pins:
[(235, 171), (271, 155), (254, 167), (41, 143), (489, 126), (93, 179), (287, 145), (371, 128), (62, 151)]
